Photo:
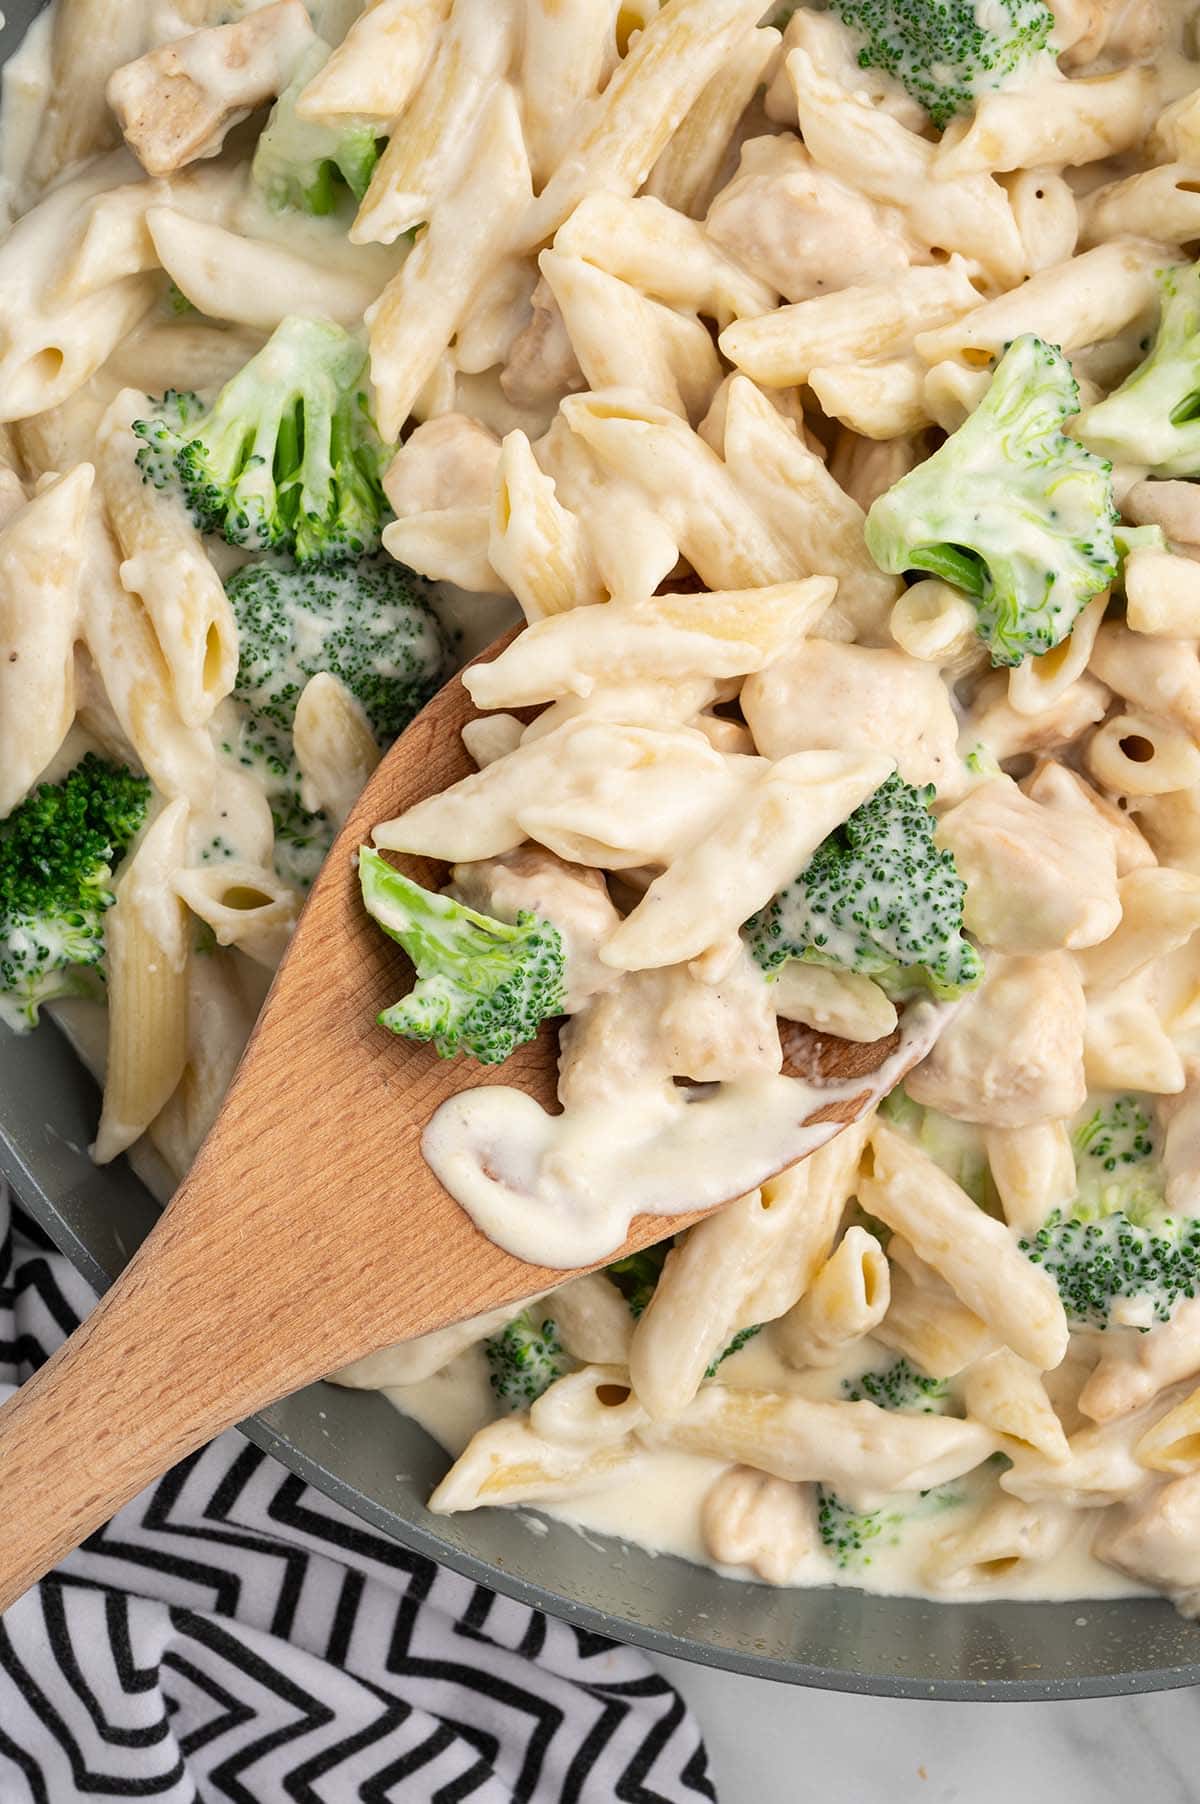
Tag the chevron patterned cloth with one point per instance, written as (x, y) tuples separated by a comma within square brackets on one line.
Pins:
[(233, 1634)]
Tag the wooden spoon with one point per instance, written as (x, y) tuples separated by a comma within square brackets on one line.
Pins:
[(309, 1232)]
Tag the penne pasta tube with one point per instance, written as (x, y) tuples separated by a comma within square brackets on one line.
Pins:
[(1083, 301), (1138, 755), (411, 1361), (1161, 204), (699, 1303), (146, 943), (883, 400), (685, 175), (925, 1320), (647, 97), (769, 834), (245, 905), (536, 546), (219, 1020), (88, 41), (1172, 1444), (179, 759), (166, 565), (509, 1462), (663, 254), (442, 130), (335, 747), (593, 1320), (249, 281), (1007, 1395), (843, 1003), (1063, 122), (41, 556), (1160, 911), (1033, 1169), (665, 637), (566, 50), (623, 340), (1006, 1539), (856, 325), (846, 1301), (976, 1256), (857, 1448), (379, 64), (805, 1206), (415, 317)]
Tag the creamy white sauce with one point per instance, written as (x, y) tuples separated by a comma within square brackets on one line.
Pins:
[(661, 1512), (561, 1190)]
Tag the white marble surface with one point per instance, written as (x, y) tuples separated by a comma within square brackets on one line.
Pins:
[(777, 1744)]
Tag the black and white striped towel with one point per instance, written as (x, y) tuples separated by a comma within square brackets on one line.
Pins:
[(233, 1634)]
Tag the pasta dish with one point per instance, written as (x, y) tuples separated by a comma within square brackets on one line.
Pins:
[(818, 390)]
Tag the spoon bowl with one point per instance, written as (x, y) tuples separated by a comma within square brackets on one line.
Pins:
[(310, 1231)]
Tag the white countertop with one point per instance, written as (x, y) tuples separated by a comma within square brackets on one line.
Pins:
[(778, 1744)]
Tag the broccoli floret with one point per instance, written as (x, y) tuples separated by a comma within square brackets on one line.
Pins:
[(1009, 509), (525, 1358), (848, 1534), (948, 52), (301, 163), (287, 457), (1114, 1252), (58, 851), (369, 624), (636, 1275), (900, 1386), (1102, 1266), (1153, 418), (877, 897), (484, 987)]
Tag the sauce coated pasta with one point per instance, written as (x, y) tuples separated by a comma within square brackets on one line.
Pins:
[(820, 390)]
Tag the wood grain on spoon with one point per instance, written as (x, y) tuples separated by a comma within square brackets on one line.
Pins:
[(310, 1231)]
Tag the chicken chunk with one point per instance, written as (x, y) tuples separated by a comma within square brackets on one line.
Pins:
[(1037, 879), (448, 462), (177, 103), (573, 898), (1013, 1055), (1157, 1540), (822, 693), (800, 228)]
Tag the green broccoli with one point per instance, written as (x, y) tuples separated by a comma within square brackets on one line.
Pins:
[(1009, 509), (525, 1358), (1153, 418), (369, 624), (1114, 1252), (287, 457), (303, 164), (957, 1146), (58, 851), (876, 897), (901, 1386), (848, 1534), (484, 987), (637, 1274), (948, 52), (735, 1346)]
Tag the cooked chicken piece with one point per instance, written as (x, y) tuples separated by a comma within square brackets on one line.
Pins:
[(1037, 879), (822, 693), (1175, 506), (1160, 675), (177, 103), (1135, 1367), (1157, 1541), (1013, 1055), (993, 722), (800, 228), (1057, 788), (573, 897), (542, 364), (449, 462)]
